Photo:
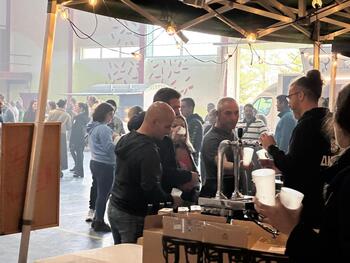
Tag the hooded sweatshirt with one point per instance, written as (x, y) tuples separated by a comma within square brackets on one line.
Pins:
[(138, 178), (101, 143), (309, 148)]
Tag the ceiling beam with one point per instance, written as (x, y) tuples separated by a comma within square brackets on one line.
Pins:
[(275, 27), (205, 17), (289, 13), (302, 30), (301, 8), (227, 21), (331, 36), (260, 12), (144, 13), (264, 4), (284, 9), (335, 22), (342, 14), (326, 11), (345, 9)]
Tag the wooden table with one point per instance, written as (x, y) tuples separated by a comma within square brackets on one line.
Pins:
[(126, 253)]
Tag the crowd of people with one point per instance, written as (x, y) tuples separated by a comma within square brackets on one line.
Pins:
[(169, 157)]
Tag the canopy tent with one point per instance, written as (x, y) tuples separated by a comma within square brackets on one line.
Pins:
[(283, 20), (293, 21)]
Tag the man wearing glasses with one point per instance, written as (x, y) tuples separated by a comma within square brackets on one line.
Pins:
[(308, 146)]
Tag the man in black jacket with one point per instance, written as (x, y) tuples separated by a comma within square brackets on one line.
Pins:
[(138, 176), (195, 125), (309, 147), (172, 176)]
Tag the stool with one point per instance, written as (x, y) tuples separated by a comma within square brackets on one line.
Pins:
[(171, 245)]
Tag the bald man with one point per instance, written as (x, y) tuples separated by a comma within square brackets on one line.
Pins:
[(226, 119), (138, 175)]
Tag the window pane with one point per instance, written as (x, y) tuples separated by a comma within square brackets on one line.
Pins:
[(200, 49), (195, 37), (108, 53), (167, 50), (163, 39), (89, 53), (3, 13), (126, 51)]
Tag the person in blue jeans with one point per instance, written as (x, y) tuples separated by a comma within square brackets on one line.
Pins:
[(102, 162)]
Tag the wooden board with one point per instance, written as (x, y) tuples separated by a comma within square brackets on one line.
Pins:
[(16, 141)]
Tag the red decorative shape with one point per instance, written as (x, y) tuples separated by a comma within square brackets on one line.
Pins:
[(172, 83), (190, 87)]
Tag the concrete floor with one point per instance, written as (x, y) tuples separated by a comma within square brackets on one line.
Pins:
[(73, 233)]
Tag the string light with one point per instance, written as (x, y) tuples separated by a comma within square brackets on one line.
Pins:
[(171, 30), (136, 55), (317, 4), (251, 37), (64, 13), (92, 2), (178, 45)]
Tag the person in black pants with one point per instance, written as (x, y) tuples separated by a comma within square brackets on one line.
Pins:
[(309, 147), (332, 242), (77, 141)]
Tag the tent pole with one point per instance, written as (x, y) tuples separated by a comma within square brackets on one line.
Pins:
[(37, 142), (332, 87), (317, 55)]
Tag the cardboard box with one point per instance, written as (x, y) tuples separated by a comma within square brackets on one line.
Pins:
[(209, 229)]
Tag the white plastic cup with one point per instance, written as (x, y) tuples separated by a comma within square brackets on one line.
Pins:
[(247, 155), (262, 154), (291, 198), (264, 180)]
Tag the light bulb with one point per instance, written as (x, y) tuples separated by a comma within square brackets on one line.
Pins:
[(171, 30), (64, 13), (227, 56), (93, 2), (178, 45), (316, 3), (136, 55), (251, 37)]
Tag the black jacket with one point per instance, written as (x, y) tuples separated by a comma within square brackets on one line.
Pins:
[(332, 244), (78, 130), (308, 153), (138, 175), (195, 129), (172, 175)]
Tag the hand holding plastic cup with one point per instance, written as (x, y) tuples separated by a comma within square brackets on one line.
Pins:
[(291, 198), (264, 180), (262, 154), (247, 155)]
